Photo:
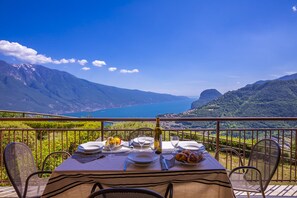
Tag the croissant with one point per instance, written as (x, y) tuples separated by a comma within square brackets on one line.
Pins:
[(181, 157), (187, 152), (188, 156), (192, 158)]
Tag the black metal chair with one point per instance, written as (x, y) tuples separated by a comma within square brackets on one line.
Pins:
[(22, 172), (128, 192), (144, 130), (125, 193), (231, 158), (263, 161)]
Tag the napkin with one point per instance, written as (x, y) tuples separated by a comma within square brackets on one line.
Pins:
[(167, 161), (82, 158)]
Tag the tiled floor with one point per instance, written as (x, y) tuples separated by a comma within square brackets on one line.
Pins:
[(273, 191), (7, 192)]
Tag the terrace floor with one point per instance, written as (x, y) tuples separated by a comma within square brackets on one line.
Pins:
[(273, 191)]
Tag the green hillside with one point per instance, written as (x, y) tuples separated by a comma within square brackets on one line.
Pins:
[(277, 98)]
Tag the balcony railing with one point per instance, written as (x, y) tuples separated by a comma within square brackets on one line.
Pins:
[(214, 133)]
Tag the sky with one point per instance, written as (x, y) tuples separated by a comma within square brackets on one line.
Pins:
[(166, 46)]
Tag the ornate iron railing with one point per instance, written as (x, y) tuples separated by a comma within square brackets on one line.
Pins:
[(212, 132)]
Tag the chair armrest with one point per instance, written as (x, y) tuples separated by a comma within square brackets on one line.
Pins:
[(51, 154), (31, 175), (231, 150), (252, 168)]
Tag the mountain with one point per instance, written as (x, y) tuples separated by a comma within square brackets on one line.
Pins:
[(205, 97), (35, 88), (273, 98)]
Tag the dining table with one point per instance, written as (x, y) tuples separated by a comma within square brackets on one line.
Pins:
[(76, 176)]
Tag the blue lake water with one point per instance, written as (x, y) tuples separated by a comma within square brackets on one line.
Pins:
[(147, 110)]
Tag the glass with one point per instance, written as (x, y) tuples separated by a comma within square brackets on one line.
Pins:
[(174, 142), (111, 147), (141, 140), (111, 144)]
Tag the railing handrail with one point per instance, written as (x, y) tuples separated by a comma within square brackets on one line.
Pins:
[(34, 113), (153, 119)]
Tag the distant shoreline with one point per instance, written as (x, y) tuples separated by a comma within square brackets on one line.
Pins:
[(144, 110)]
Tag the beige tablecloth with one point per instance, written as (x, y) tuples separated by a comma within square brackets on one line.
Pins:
[(75, 177)]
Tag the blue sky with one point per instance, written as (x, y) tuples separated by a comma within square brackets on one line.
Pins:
[(166, 46)]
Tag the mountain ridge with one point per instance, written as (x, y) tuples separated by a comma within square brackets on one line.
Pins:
[(40, 89), (273, 98), (205, 97)]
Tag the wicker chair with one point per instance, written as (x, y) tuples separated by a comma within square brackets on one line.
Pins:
[(263, 161), (22, 172)]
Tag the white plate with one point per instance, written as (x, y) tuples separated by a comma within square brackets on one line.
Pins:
[(121, 149), (117, 147), (148, 141), (88, 152), (106, 148), (142, 157), (90, 147), (191, 146)]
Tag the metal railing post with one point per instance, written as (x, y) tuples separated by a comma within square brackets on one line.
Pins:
[(218, 138), (102, 130)]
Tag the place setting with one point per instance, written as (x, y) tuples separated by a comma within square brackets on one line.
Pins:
[(90, 147), (143, 153), (143, 159), (141, 142), (94, 150), (88, 152)]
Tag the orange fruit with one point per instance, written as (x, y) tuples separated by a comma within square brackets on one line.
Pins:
[(117, 140)]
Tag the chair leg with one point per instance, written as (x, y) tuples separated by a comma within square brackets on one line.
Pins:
[(248, 194), (169, 190), (95, 186), (263, 194)]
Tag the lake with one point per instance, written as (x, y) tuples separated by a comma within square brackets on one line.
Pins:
[(143, 111)]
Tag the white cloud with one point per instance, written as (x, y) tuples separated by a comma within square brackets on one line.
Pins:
[(85, 68), (290, 72), (294, 8), (82, 62), (22, 52), (63, 61), (98, 63), (112, 69), (28, 54), (125, 71)]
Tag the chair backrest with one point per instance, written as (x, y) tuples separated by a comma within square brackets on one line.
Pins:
[(230, 158), (145, 130), (265, 156), (125, 193), (19, 164)]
